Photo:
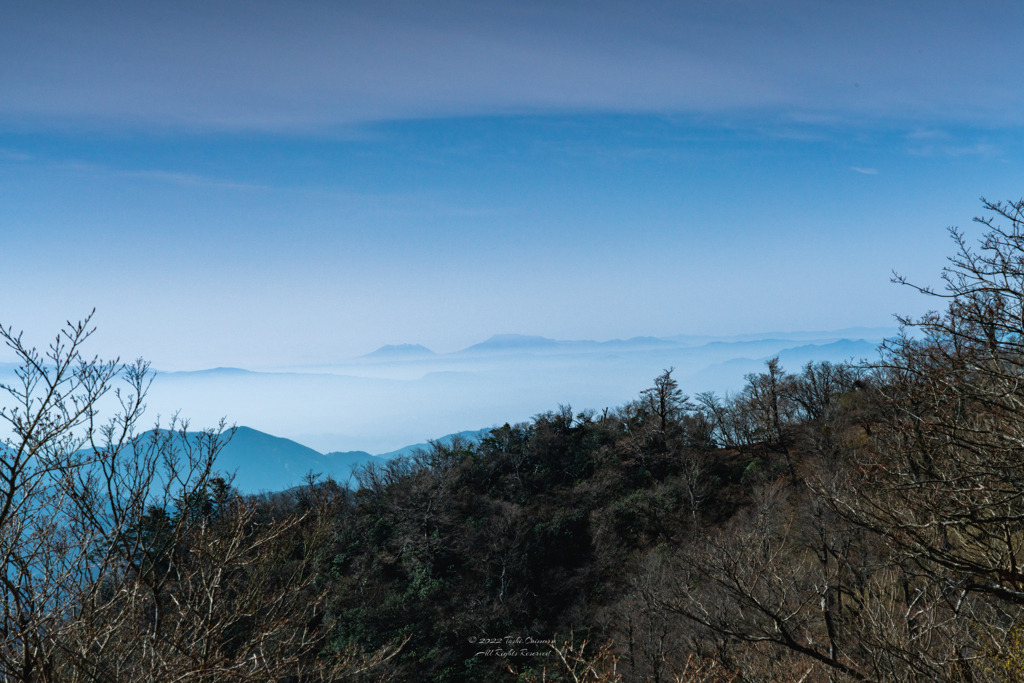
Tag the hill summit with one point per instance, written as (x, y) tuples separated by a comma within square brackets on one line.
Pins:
[(401, 351)]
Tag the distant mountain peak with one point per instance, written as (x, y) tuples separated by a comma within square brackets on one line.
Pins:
[(528, 344), (401, 351), (222, 371), (512, 342), (340, 455), (519, 339)]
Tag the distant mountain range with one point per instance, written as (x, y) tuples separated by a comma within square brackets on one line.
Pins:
[(519, 343), (791, 359), (502, 344), (344, 412), (875, 334), (262, 462), (398, 393), (512, 342), (477, 435)]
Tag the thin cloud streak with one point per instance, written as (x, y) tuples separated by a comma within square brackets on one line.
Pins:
[(11, 155)]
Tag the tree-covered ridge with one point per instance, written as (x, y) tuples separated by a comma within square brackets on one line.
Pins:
[(553, 525)]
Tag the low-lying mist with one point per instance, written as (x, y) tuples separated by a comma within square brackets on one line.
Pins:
[(406, 394)]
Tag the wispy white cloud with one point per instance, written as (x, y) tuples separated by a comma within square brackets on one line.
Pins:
[(191, 179), (927, 134), (13, 155), (865, 171), (968, 150), (161, 176)]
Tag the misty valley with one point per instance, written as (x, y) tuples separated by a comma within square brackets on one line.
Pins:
[(398, 396)]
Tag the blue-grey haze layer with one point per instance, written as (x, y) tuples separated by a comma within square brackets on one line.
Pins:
[(330, 419), (381, 401)]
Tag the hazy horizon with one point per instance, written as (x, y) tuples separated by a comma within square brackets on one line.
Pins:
[(264, 184), (380, 402), (688, 340)]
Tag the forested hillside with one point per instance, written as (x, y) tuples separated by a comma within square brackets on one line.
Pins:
[(839, 522)]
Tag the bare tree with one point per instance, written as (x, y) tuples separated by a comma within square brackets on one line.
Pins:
[(829, 400), (666, 400), (945, 476), (767, 399), (900, 561), (696, 479), (732, 425), (819, 387), (126, 558), (50, 553), (947, 471)]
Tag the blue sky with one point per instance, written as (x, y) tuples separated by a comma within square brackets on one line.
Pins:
[(265, 184)]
